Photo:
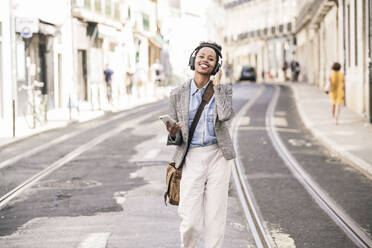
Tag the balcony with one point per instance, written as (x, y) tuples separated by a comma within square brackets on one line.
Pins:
[(313, 12), (85, 12)]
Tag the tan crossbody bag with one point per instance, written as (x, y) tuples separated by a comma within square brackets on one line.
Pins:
[(174, 175)]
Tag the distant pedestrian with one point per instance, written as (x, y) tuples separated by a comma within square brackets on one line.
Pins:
[(336, 93), (129, 83), (284, 68), (207, 167), (157, 73), (295, 70), (108, 80)]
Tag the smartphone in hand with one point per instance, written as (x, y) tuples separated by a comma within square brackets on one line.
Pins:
[(166, 118)]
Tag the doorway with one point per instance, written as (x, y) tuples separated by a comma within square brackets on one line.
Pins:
[(59, 85), (1, 82), (82, 76), (370, 57)]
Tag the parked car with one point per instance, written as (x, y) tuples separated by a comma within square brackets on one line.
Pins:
[(248, 73)]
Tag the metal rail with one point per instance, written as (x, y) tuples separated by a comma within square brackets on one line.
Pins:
[(5, 199), (245, 195), (60, 139), (337, 214)]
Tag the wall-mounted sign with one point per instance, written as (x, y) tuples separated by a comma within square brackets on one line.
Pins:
[(26, 32), (27, 26)]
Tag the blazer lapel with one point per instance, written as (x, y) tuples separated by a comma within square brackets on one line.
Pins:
[(185, 107), (214, 113)]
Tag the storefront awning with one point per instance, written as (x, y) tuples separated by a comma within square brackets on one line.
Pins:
[(158, 41), (106, 31), (47, 29)]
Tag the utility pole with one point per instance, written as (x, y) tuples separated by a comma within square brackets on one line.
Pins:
[(13, 63), (369, 11)]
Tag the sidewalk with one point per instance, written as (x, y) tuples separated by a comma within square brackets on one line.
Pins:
[(351, 138), (60, 118)]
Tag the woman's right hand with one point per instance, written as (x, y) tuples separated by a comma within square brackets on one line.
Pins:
[(173, 129)]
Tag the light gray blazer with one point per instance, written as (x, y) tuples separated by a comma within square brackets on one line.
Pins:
[(179, 111)]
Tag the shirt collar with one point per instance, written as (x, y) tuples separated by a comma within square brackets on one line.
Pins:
[(194, 88)]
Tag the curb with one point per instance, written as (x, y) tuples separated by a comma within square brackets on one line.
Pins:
[(358, 163), (13, 141)]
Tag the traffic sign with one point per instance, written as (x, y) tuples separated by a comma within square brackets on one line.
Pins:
[(26, 32)]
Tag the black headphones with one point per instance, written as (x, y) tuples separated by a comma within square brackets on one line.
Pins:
[(218, 53)]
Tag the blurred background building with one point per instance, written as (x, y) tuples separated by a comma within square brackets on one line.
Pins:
[(337, 31), (259, 33), (67, 44), (316, 33)]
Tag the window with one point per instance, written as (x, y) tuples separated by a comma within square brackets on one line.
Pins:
[(117, 10), (356, 31), (348, 35), (87, 4), (145, 22), (137, 57), (108, 8), (289, 27), (97, 6)]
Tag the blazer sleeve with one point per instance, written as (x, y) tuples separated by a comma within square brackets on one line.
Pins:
[(223, 98), (173, 113)]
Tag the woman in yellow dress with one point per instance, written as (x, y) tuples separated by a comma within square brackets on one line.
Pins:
[(336, 92)]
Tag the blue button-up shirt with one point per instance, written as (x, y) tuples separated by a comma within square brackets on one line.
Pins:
[(204, 134)]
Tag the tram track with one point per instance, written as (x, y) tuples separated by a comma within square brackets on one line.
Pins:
[(250, 208), (331, 208), (65, 137), (16, 191), (254, 219)]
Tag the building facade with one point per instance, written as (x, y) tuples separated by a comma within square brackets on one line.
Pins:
[(264, 40), (7, 91), (36, 52), (337, 31), (67, 44)]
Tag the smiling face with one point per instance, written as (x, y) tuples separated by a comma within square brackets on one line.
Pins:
[(205, 61)]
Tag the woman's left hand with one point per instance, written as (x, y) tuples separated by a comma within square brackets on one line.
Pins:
[(217, 78)]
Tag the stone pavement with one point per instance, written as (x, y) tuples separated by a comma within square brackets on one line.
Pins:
[(351, 139), (60, 118)]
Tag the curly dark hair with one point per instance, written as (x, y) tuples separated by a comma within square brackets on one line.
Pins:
[(211, 43), (217, 49), (336, 66)]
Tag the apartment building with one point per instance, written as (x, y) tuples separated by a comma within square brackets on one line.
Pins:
[(259, 33), (329, 31)]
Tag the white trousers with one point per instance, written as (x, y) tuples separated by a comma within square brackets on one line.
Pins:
[(203, 196)]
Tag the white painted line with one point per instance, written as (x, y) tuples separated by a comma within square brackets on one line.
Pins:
[(249, 205), (95, 240), (280, 121), (253, 128), (245, 121), (152, 154)]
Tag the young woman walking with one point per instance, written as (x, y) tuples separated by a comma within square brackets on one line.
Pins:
[(207, 167), (336, 93)]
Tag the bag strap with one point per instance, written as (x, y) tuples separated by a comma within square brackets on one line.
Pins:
[(208, 93)]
